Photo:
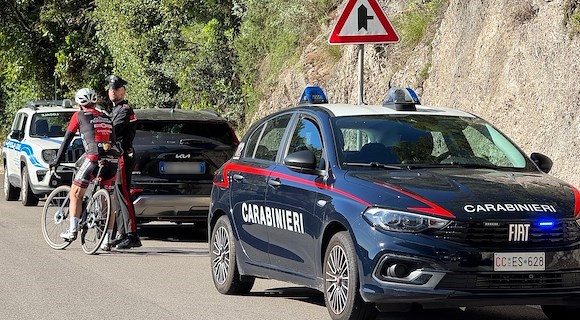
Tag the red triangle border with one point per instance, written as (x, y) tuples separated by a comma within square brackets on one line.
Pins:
[(390, 37)]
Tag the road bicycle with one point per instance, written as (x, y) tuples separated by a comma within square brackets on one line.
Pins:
[(94, 219)]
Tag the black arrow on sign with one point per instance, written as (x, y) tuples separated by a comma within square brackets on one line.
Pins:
[(363, 18)]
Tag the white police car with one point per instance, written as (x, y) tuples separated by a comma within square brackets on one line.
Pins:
[(394, 206), (34, 138)]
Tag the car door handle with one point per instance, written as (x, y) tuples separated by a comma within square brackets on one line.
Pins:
[(274, 182), (238, 177)]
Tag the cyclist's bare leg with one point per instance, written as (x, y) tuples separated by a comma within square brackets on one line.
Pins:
[(108, 237), (76, 202)]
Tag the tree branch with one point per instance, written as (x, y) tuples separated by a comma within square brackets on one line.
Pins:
[(19, 17)]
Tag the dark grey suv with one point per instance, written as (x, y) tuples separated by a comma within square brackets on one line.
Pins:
[(176, 155)]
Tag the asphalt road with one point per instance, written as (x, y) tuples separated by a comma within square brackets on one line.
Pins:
[(168, 278)]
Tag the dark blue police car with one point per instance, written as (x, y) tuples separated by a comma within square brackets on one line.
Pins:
[(394, 206)]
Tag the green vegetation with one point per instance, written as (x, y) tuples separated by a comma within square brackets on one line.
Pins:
[(572, 16), (424, 73), (412, 25), (271, 36), (575, 20), (334, 52), (216, 54)]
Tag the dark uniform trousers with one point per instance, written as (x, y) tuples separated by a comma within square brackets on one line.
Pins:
[(125, 222)]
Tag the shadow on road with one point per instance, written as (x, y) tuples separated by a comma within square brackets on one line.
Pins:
[(315, 297), (173, 232), (295, 293)]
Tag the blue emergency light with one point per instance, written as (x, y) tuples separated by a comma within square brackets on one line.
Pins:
[(414, 96), (313, 94), (546, 224), (401, 99)]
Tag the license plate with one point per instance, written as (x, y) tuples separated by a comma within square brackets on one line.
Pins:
[(181, 167), (519, 261)]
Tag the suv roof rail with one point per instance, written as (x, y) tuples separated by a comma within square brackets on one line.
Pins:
[(65, 103)]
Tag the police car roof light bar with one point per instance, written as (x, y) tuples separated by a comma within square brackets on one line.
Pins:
[(314, 95), (401, 99)]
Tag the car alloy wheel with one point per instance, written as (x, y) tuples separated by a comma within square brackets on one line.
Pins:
[(224, 268), (337, 278), (221, 250), (341, 285), (29, 199)]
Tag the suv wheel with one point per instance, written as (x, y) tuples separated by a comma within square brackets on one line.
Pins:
[(224, 268), (10, 192), (29, 199), (341, 284)]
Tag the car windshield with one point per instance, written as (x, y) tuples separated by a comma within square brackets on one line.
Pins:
[(424, 141), (50, 124), (191, 132)]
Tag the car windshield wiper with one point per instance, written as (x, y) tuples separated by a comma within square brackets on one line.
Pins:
[(373, 165), (475, 165), (451, 164)]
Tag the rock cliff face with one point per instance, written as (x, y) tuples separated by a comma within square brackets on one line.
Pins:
[(513, 63)]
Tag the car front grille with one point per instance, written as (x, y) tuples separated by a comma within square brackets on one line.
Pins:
[(496, 235), (513, 281), (72, 155)]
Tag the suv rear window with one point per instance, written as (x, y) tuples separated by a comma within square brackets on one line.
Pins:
[(216, 131)]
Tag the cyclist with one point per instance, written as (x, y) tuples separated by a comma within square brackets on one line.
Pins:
[(96, 129)]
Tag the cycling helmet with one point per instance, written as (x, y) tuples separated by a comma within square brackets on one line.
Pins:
[(85, 97)]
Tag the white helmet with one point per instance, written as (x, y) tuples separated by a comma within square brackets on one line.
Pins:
[(86, 96)]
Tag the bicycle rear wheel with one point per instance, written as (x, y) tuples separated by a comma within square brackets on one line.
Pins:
[(97, 215), (55, 218)]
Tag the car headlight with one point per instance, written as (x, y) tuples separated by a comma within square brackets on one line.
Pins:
[(48, 154), (400, 221)]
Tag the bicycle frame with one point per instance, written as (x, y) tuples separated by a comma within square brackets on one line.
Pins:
[(94, 217)]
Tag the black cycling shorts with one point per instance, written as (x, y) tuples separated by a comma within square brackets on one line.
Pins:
[(88, 169), (84, 173)]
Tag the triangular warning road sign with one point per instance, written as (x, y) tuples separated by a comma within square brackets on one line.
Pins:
[(363, 21)]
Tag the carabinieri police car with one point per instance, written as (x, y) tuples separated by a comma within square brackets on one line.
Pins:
[(394, 206)]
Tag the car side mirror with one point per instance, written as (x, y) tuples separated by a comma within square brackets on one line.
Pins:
[(16, 134), (301, 160), (543, 162)]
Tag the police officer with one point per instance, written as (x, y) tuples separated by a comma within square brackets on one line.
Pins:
[(124, 124)]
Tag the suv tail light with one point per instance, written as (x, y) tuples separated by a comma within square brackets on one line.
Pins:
[(577, 203)]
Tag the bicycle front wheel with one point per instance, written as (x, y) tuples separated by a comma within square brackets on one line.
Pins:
[(55, 217), (97, 215)]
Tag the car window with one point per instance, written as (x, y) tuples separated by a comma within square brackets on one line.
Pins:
[(194, 130), (20, 122), (269, 142), (250, 148), (307, 136), (424, 140), (50, 124)]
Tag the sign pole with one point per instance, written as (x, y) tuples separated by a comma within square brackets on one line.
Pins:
[(362, 22), (361, 78)]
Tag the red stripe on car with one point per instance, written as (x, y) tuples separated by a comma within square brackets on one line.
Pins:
[(432, 208), (262, 172)]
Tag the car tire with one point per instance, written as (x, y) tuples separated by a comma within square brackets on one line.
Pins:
[(11, 193), (341, 281), (561, 312), (224, 268), (29, 199)]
